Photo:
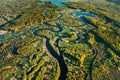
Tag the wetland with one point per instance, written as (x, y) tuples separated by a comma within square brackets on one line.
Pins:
[(59, 40)]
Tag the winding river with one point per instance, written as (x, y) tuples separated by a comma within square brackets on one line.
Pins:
[(60, 59)]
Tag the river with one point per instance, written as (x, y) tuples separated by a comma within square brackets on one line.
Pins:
[(60, 59)]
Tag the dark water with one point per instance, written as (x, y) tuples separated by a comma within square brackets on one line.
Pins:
[(60, 59)]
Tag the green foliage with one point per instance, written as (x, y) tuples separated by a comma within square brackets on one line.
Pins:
[(5, 72), (24, 76), (26, 50), (31, 15), (57, 72), (31, 75), (40, 75)]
